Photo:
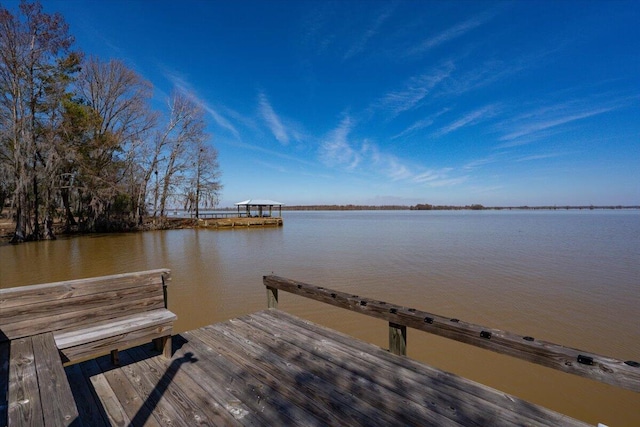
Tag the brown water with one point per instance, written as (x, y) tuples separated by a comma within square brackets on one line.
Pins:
[(570, 277)]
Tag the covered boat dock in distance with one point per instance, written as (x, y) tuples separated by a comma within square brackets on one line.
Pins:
[(260, 208), (251, 213)]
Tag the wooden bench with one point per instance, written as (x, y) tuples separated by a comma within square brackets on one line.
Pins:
[(92, 317), (44, 326)]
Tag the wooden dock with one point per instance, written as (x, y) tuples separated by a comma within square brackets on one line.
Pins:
[(271, 368), (240, 222)]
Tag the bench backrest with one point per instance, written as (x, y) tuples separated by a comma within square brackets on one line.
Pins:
[(51, 307)]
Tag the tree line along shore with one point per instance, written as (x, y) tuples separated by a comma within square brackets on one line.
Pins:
[(80, 144)]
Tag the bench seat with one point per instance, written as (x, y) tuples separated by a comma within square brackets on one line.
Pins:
[(122, 333)]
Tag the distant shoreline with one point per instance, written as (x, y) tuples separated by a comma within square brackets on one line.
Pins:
[(172, 222), (427, 207)]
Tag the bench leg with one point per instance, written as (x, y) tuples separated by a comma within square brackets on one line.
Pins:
[(163, 344), (115, 357)]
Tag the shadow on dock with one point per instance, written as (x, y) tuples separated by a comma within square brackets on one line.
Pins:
[(271, 368)]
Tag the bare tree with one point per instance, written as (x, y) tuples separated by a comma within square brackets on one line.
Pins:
[(185, 131), (5, 181), (119, 99), (32, 49), (204, 185)]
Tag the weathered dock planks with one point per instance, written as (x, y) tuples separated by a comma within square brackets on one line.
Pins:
[(271, 368), (38, 391)]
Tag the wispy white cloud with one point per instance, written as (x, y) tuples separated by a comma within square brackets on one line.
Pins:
[(317, 35), (530, 138), (272, 120), (541, 122), (431, 175), (469, 119), (537, 126), (494, 69), (451, 33), (475, 164), (479, 76), (420, 124), (360, 44), (388, 164), (506, 157), (297, 171), (439, 178), (396, 170), (220, 119), (339, 150), (272, 153), (272, 166), (185, 87), (372, 151), (449, 182), (336, 149), (539, 157), (414, 91)]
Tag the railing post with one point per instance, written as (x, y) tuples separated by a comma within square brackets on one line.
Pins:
[(272, 297), (397, 339)]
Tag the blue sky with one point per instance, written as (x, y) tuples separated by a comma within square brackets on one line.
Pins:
[(372, 102)]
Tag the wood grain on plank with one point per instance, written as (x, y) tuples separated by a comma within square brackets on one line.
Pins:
[(105, 329), (58, 404), (120, 341), (24, 404), (412, 380), (27, 295)]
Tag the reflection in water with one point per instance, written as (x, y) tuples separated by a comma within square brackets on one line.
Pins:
[(566, 277)]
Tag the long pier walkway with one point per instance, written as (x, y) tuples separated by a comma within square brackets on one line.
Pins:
[(271, 368)]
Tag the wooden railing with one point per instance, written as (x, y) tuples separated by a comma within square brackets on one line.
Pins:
[(623, 374), (219, 215)]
